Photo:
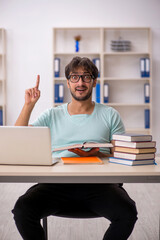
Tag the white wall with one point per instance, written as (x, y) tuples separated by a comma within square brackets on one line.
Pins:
[(29, 26)]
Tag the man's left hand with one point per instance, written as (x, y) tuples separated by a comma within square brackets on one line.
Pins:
[(82, 153)]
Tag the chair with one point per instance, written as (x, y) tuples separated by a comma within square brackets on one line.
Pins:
[(70, 213)]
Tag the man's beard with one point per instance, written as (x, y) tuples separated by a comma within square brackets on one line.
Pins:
[(83, 98)]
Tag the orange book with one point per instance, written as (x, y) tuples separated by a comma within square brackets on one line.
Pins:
[(82, 160)]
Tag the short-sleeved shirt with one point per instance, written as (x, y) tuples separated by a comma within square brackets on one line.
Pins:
[(66, 129)]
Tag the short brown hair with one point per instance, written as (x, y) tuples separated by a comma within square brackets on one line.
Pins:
[(83, 62)]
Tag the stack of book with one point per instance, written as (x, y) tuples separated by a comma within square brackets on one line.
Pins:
[(133, 149)]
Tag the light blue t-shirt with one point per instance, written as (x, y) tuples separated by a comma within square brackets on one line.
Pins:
[(69, 129)]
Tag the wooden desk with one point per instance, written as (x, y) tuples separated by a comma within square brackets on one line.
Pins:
[(59, 173)]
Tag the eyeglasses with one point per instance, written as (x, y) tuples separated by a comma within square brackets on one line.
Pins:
[(74, 78)]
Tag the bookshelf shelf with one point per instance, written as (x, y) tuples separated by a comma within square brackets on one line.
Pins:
[(119, 69), (126, 79), (2, 78), (125, 53), (77, 54), (128, 104)]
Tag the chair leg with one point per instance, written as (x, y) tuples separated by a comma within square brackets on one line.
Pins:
[(44, 223)]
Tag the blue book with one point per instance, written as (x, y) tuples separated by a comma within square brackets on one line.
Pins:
[(61, 93), (131, 162), (96, 61), (98, 99), (1, 117), (147, 67), (147, 118), (146, 93), (142, 67), (57, 67), (56, 93), (106, 92)]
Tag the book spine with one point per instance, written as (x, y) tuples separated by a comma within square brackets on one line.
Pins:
[(98, 93), (147, 67), (106, 93), (56, 93), (142, 67), (147, 118), (146, 93), (57, 67), (1, 117), (61, 93), (96, 61)]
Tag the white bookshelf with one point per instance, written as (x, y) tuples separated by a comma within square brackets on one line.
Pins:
[(121, 70), (2, 75)]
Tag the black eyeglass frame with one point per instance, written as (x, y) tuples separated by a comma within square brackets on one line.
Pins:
[(82, 77)]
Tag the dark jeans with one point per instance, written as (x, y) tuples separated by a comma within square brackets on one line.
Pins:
[(110, 201)]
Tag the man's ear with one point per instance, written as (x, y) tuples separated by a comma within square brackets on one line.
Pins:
[(94, 82), (68, 83)]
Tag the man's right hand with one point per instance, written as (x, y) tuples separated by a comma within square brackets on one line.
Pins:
[(33, 94), (31, 97)]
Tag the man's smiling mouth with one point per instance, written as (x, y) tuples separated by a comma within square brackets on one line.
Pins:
[(81, 89)]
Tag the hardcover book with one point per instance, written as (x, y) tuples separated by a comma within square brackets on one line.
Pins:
[(135, 150), (135, 144), (130, 137), (130, 162), (134, 156)]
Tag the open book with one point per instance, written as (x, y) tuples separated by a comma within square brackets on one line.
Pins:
[(85, 145)]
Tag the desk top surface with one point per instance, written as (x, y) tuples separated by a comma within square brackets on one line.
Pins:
[(59, 169)]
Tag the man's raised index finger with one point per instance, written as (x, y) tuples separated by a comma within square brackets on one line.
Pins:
[(37, 82)]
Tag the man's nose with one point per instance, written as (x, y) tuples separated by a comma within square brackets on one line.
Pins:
[(80, 82)]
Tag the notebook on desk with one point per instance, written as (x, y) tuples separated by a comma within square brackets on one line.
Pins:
[(25, 146)]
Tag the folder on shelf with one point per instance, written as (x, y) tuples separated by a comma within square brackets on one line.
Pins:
[(96, 61), (1, 117), (56, 92), (147, 118), (142, 67), (106, 92), (98, 99), (57, 67), (59, 93), (146, 93), (94, 94), (147, 67)]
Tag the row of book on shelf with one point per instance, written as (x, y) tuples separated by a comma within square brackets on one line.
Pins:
[(59, 98), (59, 93), (144, 66), (57, 61), (97, 92), (133, 149)]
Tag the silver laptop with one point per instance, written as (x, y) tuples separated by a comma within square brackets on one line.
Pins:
[(25, 146)]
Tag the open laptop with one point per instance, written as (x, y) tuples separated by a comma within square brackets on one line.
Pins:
[(25, 146)]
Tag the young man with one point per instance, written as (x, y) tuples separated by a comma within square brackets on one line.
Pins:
[(78, 121)]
